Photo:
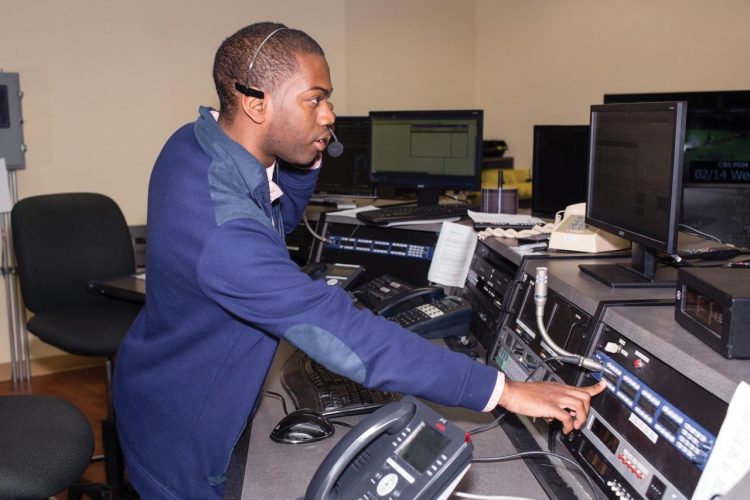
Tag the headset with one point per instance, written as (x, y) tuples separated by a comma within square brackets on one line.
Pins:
[(335, 148)]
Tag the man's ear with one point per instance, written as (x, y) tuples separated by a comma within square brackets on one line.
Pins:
[(254, 108)]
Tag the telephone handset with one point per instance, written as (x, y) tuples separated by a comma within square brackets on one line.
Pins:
[(404, 449), (573, 234), (426, 311), (427, 293)]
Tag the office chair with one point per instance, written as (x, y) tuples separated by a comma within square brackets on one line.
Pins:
[(61, 242), (45, 445)]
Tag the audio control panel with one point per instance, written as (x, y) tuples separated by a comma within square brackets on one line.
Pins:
[(650, 433)]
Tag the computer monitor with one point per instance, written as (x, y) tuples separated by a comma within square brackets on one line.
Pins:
[(426, 152), (349, 174), (716, 170), (635, 184), (559, 167)]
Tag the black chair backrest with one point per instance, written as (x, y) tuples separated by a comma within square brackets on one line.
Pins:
[(62, 241)]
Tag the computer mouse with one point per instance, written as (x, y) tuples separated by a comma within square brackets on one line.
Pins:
[(302, 426)]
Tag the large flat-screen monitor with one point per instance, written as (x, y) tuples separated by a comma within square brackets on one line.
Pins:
[(559, 167), (635, 184), (349, 174), (717, 133), (427, 152)]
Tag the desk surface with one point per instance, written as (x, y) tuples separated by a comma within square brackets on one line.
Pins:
[(276, 470)]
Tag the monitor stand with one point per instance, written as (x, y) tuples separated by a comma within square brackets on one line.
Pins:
[(428, 197), (641, 273)]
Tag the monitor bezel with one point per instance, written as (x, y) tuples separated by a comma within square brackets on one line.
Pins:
[(668, 244), (424, 181)]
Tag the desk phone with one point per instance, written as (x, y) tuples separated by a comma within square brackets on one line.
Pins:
[(426, 311), (403, 450)]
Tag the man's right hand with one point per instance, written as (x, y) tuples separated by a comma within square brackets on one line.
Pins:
[(570, 405)]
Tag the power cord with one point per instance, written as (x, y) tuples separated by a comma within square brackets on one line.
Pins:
[(277, 396)]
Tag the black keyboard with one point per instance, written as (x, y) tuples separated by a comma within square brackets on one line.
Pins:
[(313, 386), (387, 215)]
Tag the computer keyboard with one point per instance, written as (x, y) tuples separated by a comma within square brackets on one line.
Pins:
[(388, 215), (313, 386)]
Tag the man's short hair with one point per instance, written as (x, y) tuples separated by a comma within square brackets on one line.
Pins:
[(275, 62)]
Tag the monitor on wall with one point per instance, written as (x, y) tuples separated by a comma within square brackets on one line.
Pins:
[(559, 167), (717, 133), (635, 184), (426, 152)]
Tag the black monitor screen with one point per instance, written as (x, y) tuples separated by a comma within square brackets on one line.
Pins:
[(560, 167), (427, 151), (349, 174), (635, 176), (4, 107), (717, 133)]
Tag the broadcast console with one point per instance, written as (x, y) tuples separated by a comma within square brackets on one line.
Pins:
[(651, 432)]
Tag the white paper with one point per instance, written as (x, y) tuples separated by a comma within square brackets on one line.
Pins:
[(453, 253), (5, 203), (730, 458)]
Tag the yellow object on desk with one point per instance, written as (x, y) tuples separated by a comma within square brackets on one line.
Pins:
[(519, 178)]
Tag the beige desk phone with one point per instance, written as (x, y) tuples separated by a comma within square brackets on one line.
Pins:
[(574, 235)]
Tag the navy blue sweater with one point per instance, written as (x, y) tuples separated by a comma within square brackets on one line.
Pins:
[(221, 293)]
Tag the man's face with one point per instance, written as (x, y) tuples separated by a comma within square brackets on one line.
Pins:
[(300, 112)]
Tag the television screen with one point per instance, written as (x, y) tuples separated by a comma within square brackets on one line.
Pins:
[(635, 182), (717, 133), (559, 167), (426, 151)]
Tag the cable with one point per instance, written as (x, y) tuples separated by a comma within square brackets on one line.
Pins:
[(311, 230), (342, 424), (461, 494), (277, 396), (700, 233), (540, 300), (533, 454)]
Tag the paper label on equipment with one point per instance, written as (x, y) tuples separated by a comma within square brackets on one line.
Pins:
[(643, 427)]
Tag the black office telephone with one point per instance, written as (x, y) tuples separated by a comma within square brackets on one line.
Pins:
[(403, 449), (426, 311)]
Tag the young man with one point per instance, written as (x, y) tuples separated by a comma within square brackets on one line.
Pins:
[(222, 290)]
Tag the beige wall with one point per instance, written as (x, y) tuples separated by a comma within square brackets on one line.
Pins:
[(107, 82), (546, 62)]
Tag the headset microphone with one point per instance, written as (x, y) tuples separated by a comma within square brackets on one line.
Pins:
[(335, 148)]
